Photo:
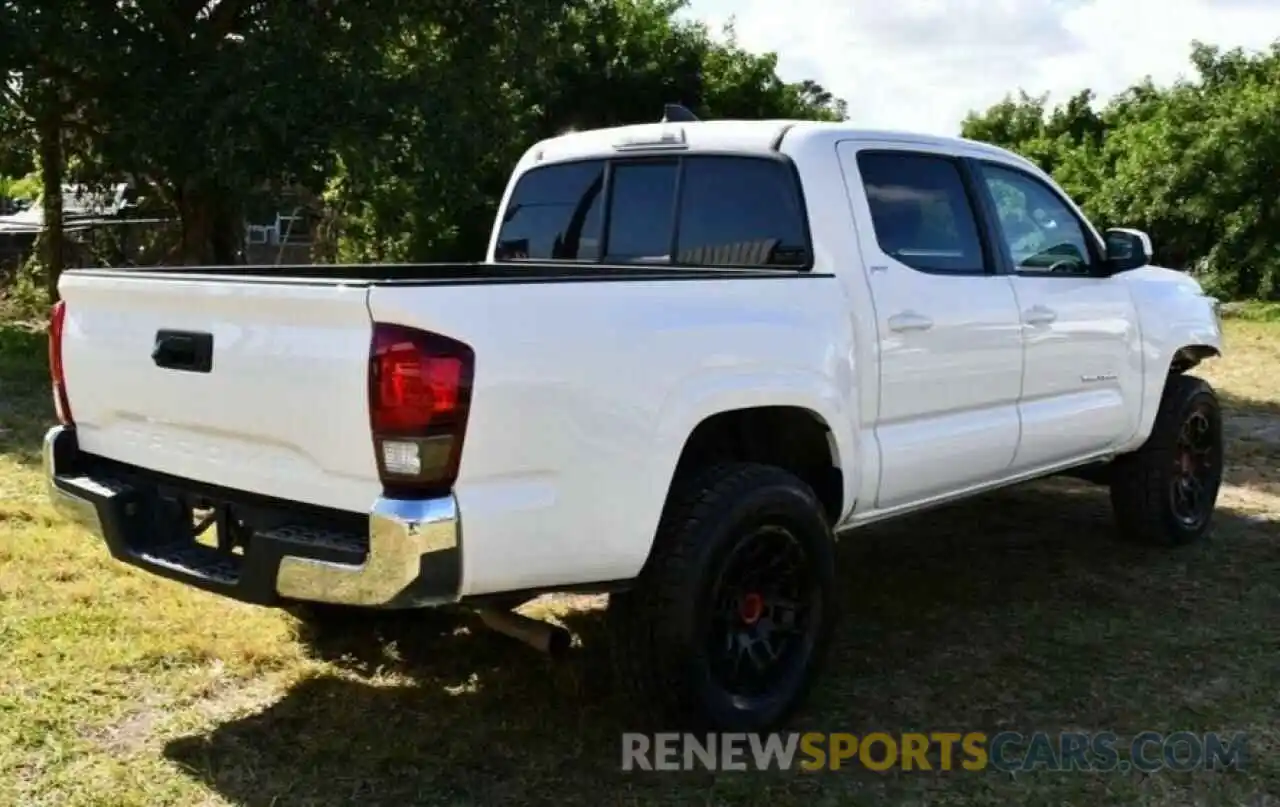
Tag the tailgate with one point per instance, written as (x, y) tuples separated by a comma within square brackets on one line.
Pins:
[(280, 408)]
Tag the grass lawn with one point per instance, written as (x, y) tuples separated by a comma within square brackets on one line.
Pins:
[(117, 688)]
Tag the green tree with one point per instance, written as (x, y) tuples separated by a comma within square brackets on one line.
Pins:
[(409, 113), (427, 189), (47, 60), (1196, 164)]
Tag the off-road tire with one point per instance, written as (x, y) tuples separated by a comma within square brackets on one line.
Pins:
[(659, 648), (1142, 483)]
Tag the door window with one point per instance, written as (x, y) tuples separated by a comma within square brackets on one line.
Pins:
[(1042, 234), (921, 212)]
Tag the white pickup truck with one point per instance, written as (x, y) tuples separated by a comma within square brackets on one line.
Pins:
[(695, 354)]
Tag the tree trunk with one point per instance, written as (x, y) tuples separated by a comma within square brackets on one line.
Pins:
[(226, 233), (197, 229), (51, 241), (209, 228)]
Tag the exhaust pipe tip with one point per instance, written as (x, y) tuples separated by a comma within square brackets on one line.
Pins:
[(542, 636)]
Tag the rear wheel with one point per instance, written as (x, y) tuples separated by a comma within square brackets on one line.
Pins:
[(1165, 493), (729, 620)]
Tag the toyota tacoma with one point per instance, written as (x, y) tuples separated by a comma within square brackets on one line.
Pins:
[(695, 355)]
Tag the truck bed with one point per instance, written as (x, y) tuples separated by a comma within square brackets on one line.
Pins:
[(277, 400)]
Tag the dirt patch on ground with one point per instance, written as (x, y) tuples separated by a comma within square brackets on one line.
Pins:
[(154, 720)]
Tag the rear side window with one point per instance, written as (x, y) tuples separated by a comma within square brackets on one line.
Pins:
[(921, 212), (700, 210), (739, 211)]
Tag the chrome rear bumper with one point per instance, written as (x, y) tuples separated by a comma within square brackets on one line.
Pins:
[(406, 553)]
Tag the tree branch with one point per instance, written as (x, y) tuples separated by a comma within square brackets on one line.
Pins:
[(14, 99), (161, 190)]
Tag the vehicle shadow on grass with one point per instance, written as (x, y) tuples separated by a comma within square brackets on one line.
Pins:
[(962, 619), (26, 408), (1245, 417), (1234, 405)]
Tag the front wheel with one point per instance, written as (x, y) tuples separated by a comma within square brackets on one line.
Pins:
[(1165, 493), (729, 619)]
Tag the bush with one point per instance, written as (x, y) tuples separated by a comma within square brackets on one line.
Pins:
[(25, 297)]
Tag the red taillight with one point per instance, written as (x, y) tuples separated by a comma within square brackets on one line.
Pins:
[(56, 375), (419, 393)]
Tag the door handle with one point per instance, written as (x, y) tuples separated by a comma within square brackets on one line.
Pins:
[(909, 321), (1039, 315), (188, 351)]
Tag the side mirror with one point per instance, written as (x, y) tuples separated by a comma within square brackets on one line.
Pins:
[(1127, 249)]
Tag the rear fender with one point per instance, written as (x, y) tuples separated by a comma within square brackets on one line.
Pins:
[(708, 395)]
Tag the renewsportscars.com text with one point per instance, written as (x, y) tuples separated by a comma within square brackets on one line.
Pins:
[(1007, 752)]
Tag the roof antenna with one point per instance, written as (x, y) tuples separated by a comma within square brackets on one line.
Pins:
[(677, 113)]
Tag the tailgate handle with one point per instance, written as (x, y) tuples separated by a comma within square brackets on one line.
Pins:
[(183, 350)]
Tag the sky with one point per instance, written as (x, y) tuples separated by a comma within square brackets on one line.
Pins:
[(920, 65)]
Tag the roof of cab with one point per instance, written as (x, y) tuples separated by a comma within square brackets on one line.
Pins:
[(732, 135)]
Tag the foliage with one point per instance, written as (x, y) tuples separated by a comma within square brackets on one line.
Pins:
[(51, 61), (26, 188), (404, 116), (1252, 311), (17, 149), (407, 114), (426, 185), (24, 297), (1196, 164)]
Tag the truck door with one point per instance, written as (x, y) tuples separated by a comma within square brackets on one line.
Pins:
[(947, 322), (1082, 384)]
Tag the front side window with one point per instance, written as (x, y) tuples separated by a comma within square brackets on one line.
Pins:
[(1039, 230), (696, 210), (921, 212)]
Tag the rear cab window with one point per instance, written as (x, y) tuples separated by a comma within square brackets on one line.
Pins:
[(688, 210)]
